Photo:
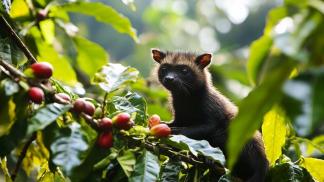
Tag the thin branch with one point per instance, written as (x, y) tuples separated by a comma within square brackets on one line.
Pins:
[(17, 40), (12, 70), (22, 156), (90, 121), (168, 151), (104, 103)]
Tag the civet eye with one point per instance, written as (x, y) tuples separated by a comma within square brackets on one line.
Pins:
[(184, 70), (163, 69)]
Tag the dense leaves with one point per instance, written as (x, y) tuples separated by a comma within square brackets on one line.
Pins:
[(146, 169), (102, 13), (113, 76), (45, 116), (197, 147), (289, 171), (66, 145)]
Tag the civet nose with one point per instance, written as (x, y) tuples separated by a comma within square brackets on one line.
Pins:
[(169, 79)]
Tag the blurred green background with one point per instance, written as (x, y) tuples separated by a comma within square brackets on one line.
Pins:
[(224, 28)]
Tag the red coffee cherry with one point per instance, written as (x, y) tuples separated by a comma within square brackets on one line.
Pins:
[(89, 108), (154, 120), (43, 70), (105, 140), (105, 124), (160, 130), (36, 95), (122, 121)]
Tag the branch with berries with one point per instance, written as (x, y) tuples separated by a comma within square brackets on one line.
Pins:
[(42, 72)]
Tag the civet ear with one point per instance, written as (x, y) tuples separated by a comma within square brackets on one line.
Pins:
[(203, 60), (158, 55)]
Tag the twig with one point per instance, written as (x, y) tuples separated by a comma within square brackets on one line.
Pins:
[(104, 104), (90, 121), (167, 151), (18, 41), (12, 70), (22, 156)]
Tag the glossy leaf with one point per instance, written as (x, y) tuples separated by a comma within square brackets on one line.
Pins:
[(113, 76), (288, 172), (103, 13), (170, 171), (67, 146), (45, 116), (91, 56), (274, 133), (8, 50), (246, 122), (315, 167), (127, 161), (259, 51), (130, 103), (147, 168), (201, 147)]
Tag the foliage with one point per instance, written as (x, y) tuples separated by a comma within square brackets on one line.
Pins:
[(56, 144)]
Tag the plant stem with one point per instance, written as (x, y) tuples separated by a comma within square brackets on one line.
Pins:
[(104, 104), (12, 70), (22, 156), (168, 151), (17, 40)]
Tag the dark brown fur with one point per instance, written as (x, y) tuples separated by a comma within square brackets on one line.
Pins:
[(202, 113)]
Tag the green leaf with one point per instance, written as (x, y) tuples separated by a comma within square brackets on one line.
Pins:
[(147, 168), (45, 116), (127, 161), (315, 167), (103, 13), (317, 142), (317, 4), (19, 9), (261, 99), (274, 133), (91, 56), (259, 51), (113, 76), (63, 71), (8, 50), (67, 146), (288, 172), (7, 114), (50, 176), (130, 103), (170, 171), (201, 147), (47, 28), (4, 168), (94, 155), (18, 129)]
